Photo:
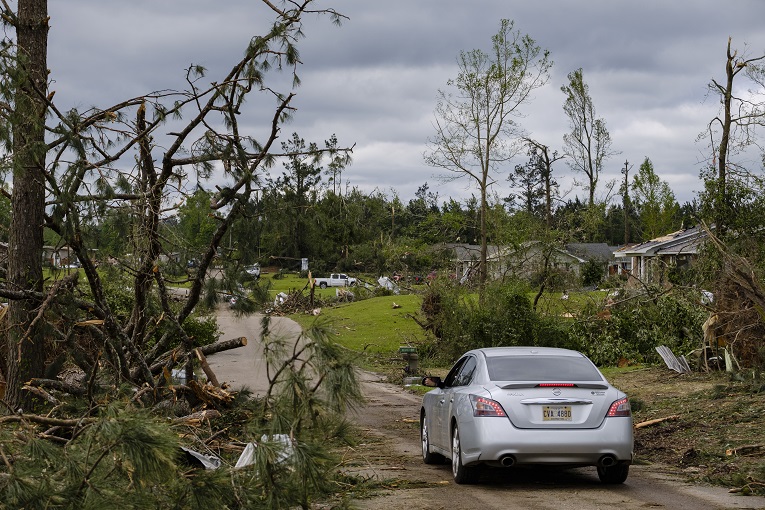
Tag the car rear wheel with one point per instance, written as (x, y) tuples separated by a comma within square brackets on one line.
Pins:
[(323, 285), (462, 474), (427, 456), (615, 474)]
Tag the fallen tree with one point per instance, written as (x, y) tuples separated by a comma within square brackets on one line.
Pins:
[(118, 319)]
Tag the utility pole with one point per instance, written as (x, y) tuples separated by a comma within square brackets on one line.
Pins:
[(626, 201)]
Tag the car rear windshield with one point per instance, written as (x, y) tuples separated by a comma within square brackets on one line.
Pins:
[(542, 368)]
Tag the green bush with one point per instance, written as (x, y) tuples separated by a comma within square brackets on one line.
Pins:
[(506, 318), (592, 273), (636, 327), (631, 330)]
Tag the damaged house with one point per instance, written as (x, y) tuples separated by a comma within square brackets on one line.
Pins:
[(528, 259), (651, 261)]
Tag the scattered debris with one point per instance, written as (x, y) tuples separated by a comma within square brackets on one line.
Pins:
[(213, 396), (389, 284), (344, 295), (248, 455), (280, 299), (200, 460), (395, 305), (679, 365)]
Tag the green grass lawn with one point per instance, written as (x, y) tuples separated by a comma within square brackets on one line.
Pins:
[(571, 303), (376, 329), (374, 325)]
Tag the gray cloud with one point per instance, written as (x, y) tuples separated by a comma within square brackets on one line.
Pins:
[(374, 80)]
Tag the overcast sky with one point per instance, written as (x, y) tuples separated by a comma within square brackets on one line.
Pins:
[(374, 80)]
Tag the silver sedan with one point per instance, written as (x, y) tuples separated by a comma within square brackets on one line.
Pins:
[(507, 406)]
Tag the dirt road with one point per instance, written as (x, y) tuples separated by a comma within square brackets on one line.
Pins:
[(389, 452), (245, 366)]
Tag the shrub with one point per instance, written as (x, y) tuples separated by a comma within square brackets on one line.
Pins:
[(592, 273), (636, 327), (506, 318)]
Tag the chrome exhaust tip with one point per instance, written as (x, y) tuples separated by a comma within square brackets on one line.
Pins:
[(607, 461), (507, 461)]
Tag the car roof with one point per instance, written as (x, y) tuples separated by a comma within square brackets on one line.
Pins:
[(527, 351)]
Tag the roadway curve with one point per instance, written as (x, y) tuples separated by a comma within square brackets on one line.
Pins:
[(389, 449)]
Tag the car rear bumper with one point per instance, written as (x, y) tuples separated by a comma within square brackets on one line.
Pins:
[(491, 439)]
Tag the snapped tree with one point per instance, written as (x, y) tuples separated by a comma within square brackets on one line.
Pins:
[(732, 133), (134, 160)]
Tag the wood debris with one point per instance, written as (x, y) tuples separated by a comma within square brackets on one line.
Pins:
[(196, 419), (754, 449), (649, 423), (206, 368), (212, 395)]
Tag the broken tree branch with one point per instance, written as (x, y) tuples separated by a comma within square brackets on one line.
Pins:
[(195, 419), (754, 449), (46, 420), (657, 420), (223, 346), (206, 368), (66, 387)]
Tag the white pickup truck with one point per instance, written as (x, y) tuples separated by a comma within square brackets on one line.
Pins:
[(335, 280)]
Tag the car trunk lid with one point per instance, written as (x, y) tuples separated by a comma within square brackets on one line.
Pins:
[(554, 406)]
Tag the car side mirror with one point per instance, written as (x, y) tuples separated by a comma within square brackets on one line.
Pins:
[(432, 382)]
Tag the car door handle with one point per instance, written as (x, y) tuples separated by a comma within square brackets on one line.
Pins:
[(442, 401)]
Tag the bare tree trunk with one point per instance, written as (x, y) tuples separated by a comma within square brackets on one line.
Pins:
[(26, 345), (483, 270), (721, 200)]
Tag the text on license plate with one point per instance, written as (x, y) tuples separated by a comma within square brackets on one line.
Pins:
[(556, 413)]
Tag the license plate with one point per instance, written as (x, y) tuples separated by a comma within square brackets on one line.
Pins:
[(556, 413)]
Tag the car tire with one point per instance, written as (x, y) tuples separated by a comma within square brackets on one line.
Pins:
[(614, 475), (323, 285), (428, 457), (462, 474)]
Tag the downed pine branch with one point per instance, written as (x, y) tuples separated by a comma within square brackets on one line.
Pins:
[(178, 357), (754, 449), (46, 420), (195, 419), (649, 423), (223, 346), (72, 389), (42, 394)]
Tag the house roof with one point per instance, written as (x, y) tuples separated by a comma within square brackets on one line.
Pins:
[(464, 252), (589, 251), (472, 252), (685, 241)]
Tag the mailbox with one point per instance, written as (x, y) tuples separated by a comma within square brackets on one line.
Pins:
[(409, 354)]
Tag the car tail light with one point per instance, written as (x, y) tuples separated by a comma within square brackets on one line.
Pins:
[(486, 406), (620, 408)]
